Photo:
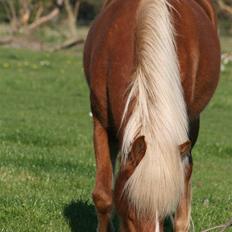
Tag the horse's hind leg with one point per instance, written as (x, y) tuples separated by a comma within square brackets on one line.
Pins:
[(102, 194), (183, 213)]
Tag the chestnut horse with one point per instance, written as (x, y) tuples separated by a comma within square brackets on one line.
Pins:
[(152, 66)]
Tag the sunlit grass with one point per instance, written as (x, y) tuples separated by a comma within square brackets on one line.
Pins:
[(46, 158)]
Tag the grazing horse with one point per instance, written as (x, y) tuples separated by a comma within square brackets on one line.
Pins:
[(152, 66)]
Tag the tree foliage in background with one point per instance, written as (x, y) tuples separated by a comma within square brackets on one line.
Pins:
[(21, 13), (27, 15)]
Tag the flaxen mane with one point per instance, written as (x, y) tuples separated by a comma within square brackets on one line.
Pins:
[(159, 114)]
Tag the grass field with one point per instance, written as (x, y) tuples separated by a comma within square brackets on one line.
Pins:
[(46, 158)]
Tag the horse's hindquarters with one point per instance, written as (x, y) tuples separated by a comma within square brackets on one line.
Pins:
[(199, 53)]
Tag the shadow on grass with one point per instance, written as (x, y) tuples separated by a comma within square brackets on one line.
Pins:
[(80, 216), (168, 225)]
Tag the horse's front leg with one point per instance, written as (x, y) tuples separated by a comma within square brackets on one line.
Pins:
[(102, 194), (183, 213)]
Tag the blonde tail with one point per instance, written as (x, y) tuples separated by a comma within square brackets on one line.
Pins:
[(159, 113)]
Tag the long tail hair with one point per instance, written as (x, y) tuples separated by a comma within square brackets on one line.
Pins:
[(158, 113)]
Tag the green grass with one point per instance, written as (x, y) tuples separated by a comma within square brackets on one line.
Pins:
[(46, 158)]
